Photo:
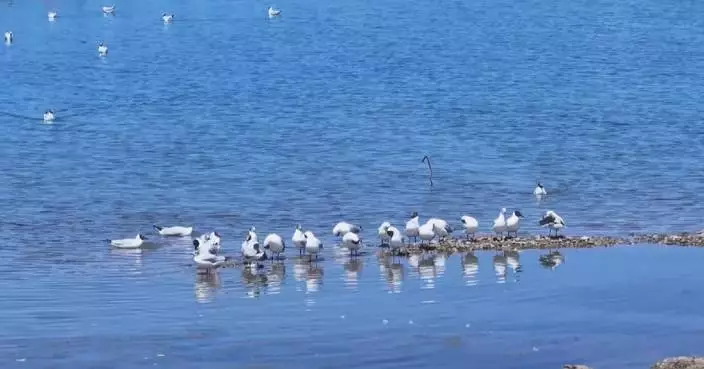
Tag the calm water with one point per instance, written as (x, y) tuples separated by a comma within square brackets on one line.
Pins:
[(226, 119)]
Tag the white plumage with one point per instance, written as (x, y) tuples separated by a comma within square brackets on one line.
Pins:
[(167, 18), (129, 243), (500, 223), (343, 228), (426, 232), (8, 37), (396, 241), (204, 257), (513, 223), (174, 231), (412, 226), (299, 239), (313, 244), (470, 225), (274, 243), (49, 116), (539, 190), (108, 9), (552, 221), (352, 242), (382, 232), (273, 12), (102, 49), (440, 227), (52, 15)]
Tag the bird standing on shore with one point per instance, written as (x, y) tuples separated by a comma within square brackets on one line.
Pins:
[(342, 228), (274, 243), (412, 227), (352, 242), (382, 233), (313, 245), (470, 225), (500, 223), (299, 239), (513, 223), (552, 221)]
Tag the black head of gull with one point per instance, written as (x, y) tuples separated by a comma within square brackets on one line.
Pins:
[(547, 219), (390, 232), (414, 214), (141, 237), (518, 214)]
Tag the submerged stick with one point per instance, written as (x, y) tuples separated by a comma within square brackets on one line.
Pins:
[(430, 168)]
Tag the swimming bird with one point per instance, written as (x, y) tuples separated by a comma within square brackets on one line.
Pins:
[(313, 245), (274, 243), (102, 49), (396, 241), (250, 247), (539, 190), (273, 12), (382, 232), (108, 9), (343, 228), (412, 226), (426, 232), (513, 223), (500, 223), (167, 18), (204, 258), (8, 37), (174, 231), (52, 15), (299, 239), (352, 242), (470, 225), (440, 227), (552, 221), (49, 116), (128, 243)]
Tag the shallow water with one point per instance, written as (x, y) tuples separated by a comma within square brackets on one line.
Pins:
[(225, 119)]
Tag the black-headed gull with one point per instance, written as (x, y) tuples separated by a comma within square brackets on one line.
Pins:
[(381, 232), (274, 243), (299, 239), (539, 190), (513, 223), (470, 225), (313, 245), (412, 226), (167, 18), (273, 12), (500, 223), (352, 242), (174, 230), (49, 116), (8, 37), (343, 228), (128, 243), (552, 221)]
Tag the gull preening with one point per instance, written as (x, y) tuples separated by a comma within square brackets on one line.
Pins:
[(273, 12), (383, 234), (313, 245), (539, 190), (167, 18), (8, 37), (250, 247), (108, 9), (500, 223), (174, 231), (274, 243), (102, 49), (412, 226), (342, 228), (49, 116), (396, 241), (299, 239), (128, 243), (552, 221), (470, 225), (441, 228), (204, 256), (426, 232), (52, 15), (513, 223), (352, 242)]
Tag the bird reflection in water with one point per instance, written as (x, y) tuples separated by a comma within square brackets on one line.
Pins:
[(470, 268), (439, 261), (513, 259), (353, 266), (551, 260), (392, 272), (135, 255), (253, 279), (314, 279), (275, 277), (500, 268), (427, 271), (207, 283)]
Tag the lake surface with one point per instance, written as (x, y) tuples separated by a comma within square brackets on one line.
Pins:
[(226, 119)]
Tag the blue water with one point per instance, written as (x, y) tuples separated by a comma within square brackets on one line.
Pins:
[(226, 119)]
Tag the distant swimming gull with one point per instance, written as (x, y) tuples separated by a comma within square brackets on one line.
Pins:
[(274, 243), (128, 243), (167, 18), (299, 239), (513, 223), (412, 226), (381, 232), (52, 15), (108, 9), (352, 242), (343, 228), (500, 223), (313, 245), (49, 116), (552, 221), (539, 190), (470, 225), (102, 49), (174, 231), (273, 12), (8, 37)]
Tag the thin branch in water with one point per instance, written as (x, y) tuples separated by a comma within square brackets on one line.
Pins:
[(430, 168)]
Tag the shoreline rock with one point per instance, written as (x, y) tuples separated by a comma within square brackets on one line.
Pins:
[(680, 362)]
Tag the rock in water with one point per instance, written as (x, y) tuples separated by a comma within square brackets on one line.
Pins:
[(681, 362)]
